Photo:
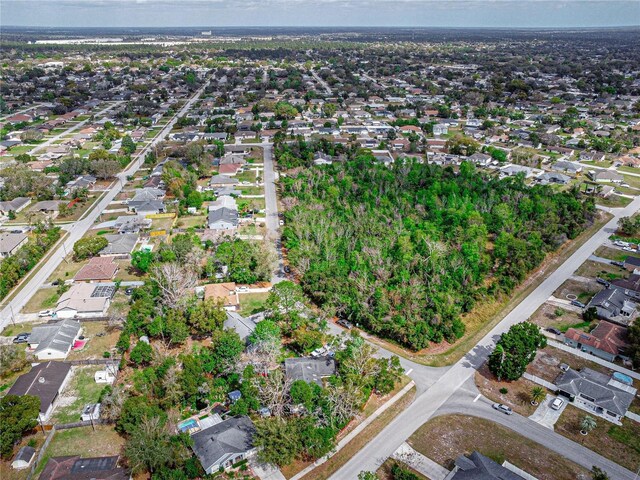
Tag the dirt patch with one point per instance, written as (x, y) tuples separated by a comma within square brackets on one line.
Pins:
[(549, 315), (546, 365), (604, 438), (444, 438), (583, 291), (518, 395)]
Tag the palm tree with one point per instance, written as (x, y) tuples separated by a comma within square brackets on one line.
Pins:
[(588, 423), (537, 394)]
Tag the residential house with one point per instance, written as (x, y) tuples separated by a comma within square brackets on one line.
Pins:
[(553, 177), (632, 264), (120, 245), (54, 341), (513, 170), (596, 393), (606, 176), (607, 341), (321, 158), (222, 181), (45, 380), (50, 207), (224, 292), (131, 223), (478, 467), (10, 243), (146, 207), (14, 205), (309, 369), (222, 445), (567, 167), (222, 219), (85, 181), (613, 305), (98, 269), (75, 468), (440, 129), (229, 169), (481, 159), (85, 300)]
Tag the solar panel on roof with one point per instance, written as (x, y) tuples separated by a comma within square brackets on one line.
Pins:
[(104, 291)]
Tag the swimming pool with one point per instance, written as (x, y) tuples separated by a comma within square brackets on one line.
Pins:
[(188, 425)]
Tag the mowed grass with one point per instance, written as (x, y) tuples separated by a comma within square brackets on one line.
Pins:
[(443, 438), (251, 303), (85, 442), (42, 299), (620, 444)]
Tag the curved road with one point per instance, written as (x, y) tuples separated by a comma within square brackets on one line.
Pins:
[(449, 386)]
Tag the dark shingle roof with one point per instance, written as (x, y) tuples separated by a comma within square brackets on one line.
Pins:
[(43, 381), (309, 369), (233, 436), (478, 467)]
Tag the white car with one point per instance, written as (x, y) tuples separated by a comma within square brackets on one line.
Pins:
[(281, 222), (242, 289), (557, 404), (45, 313)]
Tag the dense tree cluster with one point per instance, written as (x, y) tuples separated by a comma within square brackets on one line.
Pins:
[(13, 268), (404, 251), (515, 350)]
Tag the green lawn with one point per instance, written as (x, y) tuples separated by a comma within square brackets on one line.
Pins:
[(251, 303)]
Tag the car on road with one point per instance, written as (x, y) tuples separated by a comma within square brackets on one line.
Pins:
[(555, 331), (344, 323), (501, 407), (557, 404), (22, 338), (45, 313), (578, 304)]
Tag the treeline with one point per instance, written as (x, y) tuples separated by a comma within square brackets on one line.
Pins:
[(13, 268), (404, 251)]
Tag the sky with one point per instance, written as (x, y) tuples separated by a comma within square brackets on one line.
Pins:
[(413, 13)]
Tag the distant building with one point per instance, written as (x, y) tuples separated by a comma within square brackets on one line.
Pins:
[(10, 243)]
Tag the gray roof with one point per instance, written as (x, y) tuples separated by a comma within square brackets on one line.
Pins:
[(598, 386), (612, 299), (243, 326), (551, 177), (25, 454), (146, 205), (223, 180), (309, 369), (478, 467), (58, 336), (223, 214), (9, 241), (120, 244), (42, 381), (15, 204), (229, 438), (147, 194)]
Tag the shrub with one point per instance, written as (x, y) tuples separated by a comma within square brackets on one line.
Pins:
[(504, 390)]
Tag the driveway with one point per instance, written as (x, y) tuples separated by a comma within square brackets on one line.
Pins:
[(264, 471), (545, 415)]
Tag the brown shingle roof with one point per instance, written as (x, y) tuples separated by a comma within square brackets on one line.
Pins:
[(98, 268)]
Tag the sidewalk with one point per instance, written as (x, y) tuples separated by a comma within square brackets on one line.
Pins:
[(427, 467), (351, 435)]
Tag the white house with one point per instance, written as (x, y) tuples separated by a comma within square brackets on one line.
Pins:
[(54, 342)]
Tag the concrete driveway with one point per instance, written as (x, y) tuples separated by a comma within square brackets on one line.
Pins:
[(547, 416), (264, 471)]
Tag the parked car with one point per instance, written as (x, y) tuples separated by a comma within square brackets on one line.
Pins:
[(287, 269), (555, 331), (344, 323), (503, 408), (578, 303), (617, 263), (602, 281), (22, 338), (557, 404), (45, 313), (242, 289), (128, 291), (281, 222)]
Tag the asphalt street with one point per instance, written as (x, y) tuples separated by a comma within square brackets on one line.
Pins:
[(78, 229), (446, 388)]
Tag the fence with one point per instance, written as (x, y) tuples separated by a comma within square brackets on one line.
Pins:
[(41, 453)]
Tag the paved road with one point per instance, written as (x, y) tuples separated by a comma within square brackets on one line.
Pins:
[(449, 384), (322, 83), (79, 228), (464, 403), (73, 128)]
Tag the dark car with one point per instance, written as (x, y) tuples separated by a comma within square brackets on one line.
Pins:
[(287, 269), (503, 408), (128, 291), (555, 331), (602, 281), (22, 338), (578, 304), (344, 323), (617, 263)]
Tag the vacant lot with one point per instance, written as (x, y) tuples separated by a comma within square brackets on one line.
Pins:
[(591, 269), (582, 290), (620, 444), (42, 299), (99, 340), (614, 253), (444, 438), (549, 315), (546, 365), (82, 389)]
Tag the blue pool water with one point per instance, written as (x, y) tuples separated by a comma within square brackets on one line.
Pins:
[(621, 377), (187, 425)]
